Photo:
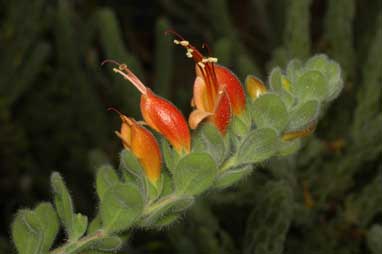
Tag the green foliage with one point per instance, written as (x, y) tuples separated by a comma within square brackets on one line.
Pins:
[(215, 161), (259, 145), (304, 114), (121, 206), (35, 231), (75, 224), (269, 111), (194, 173), (209, 139)]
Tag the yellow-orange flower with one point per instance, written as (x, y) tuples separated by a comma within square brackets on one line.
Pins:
[(143, 145)]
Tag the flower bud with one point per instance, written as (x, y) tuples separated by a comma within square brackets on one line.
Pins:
[(143, 145), (255, 87), (160, 114)]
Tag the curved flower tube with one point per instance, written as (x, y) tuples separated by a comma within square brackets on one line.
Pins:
[(218, 93), (160, 114), (143, 145)]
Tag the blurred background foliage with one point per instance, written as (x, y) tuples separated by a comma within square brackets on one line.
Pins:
[(54, 95)]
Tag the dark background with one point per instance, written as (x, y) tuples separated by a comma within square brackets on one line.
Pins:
[(54, 97)]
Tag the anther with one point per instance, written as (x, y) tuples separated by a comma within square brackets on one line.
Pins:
[(201, 64), (189, 54), (184, 43), (122, 67), (176, 42), (212, 59)]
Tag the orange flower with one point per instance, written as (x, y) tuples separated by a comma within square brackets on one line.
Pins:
[(160, 114), (143, 145), (217, 91)]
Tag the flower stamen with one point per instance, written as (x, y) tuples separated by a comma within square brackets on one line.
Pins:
[(128, 74)]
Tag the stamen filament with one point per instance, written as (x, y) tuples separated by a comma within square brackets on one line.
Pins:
[(127, 74), (132, 78)]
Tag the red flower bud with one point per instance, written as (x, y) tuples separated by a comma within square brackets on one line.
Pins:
[(143, 145), (217, 91), (160, 114)]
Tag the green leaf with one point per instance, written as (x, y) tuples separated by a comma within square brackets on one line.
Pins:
[(331, 70), (318, 63), (241, 125), (27, 233), (74, 224), (312, 85), (286, 148), (167, 220), (303, 115), (194, 173), (293, 71), (168, 186), (259, 145), (95, 224), (170, 156), (121, 206), (80, 224), (208, 139), (275, 80), (34, 231), (130, 163), (269, 111), (154, 191), (231, 176), (106, 178), (49, 223)]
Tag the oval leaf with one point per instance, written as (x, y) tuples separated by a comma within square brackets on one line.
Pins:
[(50, 224), (106, 178), (120, 207), (27, 233), (208, 139), (269, 111), (64, 205), (258, 146), (194, 173), (312, 85), (303, 115)]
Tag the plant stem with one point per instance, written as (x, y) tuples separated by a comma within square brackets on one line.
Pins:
[(159, 204), (72, 247)]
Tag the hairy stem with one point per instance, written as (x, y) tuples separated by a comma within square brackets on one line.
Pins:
[(73, 247)]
